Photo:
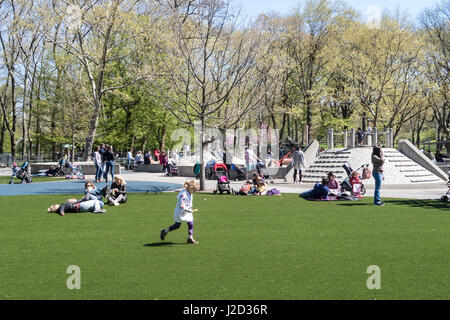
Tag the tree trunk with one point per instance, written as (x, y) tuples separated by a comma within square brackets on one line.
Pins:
[(12, 134), (53, 133), (93, 124), (202, 165), (24, 125), (162, 144), (2, 135)]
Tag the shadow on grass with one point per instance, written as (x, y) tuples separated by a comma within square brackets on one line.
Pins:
[(161, 244), (426, 204), (351, 204)]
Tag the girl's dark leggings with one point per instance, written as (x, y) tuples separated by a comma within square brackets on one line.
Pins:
[(190, 224)]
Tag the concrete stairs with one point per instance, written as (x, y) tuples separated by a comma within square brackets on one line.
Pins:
[(398, 169)]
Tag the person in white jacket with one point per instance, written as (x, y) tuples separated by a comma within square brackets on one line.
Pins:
[(298, 159), (183, 211)]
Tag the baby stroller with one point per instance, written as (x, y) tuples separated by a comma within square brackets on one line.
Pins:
[(444, 198), (21, 174), (240, 174), (76, 172), (173, 170), (346, 185), (221, 174)]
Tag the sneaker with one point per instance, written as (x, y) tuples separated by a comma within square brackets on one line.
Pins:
[(116, 203), (100, 211), (163, 234), (191, 240), (380, 204)]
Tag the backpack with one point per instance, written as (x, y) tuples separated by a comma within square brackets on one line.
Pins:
[(366, 174)]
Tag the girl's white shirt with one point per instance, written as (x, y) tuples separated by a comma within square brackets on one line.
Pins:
[(184, 202)]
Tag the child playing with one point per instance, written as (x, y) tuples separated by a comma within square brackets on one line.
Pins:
[(183, 211)]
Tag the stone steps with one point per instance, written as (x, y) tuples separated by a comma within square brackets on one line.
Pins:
[(398, 169)]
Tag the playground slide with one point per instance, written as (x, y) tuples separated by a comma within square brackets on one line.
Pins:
[(410, 150)]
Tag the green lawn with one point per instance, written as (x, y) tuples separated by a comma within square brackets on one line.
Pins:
[(6, 179), (250, 248)]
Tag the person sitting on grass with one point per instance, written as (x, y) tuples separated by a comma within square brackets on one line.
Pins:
[(117, 192), (72, 205), (320, 191), (91, 192), (261, 184), (183, 211), (333, 183)]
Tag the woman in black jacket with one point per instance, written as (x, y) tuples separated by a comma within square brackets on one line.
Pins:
[(118, 191), (108, 159)]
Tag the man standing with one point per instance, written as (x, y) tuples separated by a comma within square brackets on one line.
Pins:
[(251, 159), (129, 158), (298, 160)]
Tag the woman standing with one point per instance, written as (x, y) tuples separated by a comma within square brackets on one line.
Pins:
[(98, 164), (377, 162), (109, 161)]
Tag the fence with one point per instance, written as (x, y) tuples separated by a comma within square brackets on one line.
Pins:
[(370, 139)]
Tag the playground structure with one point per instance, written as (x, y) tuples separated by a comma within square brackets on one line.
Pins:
[(404, 165)]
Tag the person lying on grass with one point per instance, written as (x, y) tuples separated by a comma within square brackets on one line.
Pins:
[(75, 206), (320, 191), (183, 211)]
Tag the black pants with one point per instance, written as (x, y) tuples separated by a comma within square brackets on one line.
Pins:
[(299, 174)]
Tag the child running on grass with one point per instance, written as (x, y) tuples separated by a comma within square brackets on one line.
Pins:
[(183, 211)]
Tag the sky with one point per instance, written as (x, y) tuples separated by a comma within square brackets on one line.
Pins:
[(370, 9)]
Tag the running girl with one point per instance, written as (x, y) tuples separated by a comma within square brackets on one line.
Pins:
[(183, 211)]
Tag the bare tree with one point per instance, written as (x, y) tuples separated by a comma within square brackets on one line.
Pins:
[(436, 24), (211, 55), (96, 34)]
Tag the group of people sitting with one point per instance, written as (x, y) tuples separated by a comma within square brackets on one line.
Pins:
[(437, 157), (257, 186), (115, 194), (330, 186)]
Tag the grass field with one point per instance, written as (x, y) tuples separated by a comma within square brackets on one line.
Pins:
[(6, 179), (250, 248)]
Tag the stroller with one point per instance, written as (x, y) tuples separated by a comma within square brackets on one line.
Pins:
[(21, 174), (221, 174), (357, 189), (173, 170), (76, 172), (240, 174), (444, 198)]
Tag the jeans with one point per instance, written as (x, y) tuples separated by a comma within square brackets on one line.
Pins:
[(109, 166), (98, 171), (95, 195), (90, 205), (378, 180)]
